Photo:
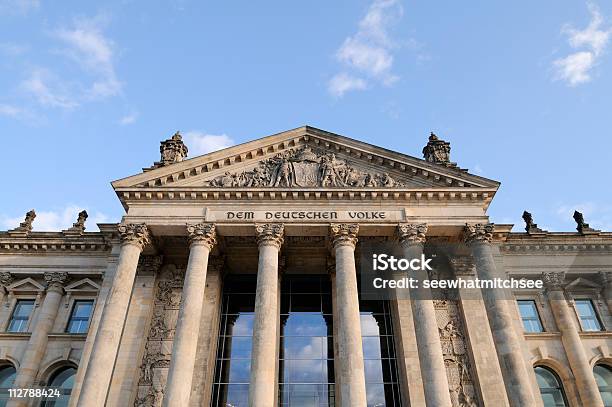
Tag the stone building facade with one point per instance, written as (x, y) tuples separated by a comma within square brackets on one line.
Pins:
[(232, 280)]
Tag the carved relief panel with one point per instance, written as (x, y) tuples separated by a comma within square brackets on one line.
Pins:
[(455, 350), (158, 348)]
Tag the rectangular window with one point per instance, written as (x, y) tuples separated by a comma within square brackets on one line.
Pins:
[(21, 315), (530, 316), (588, 316), (79, 318)]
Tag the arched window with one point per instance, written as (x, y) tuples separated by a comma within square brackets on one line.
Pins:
[(62, 379), (603, 377), (550, 387), (7, 377)]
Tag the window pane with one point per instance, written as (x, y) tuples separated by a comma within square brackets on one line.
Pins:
[(603, 377), (79, 318), (550, 387), (21, 314), (530, 316), (588, 316)]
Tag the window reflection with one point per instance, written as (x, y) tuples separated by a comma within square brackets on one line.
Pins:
[(307, 355), (382, 388), (233, 369)]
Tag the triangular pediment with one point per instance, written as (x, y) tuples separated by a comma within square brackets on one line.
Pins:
[(84, 285), (304, 158), (26, 285)]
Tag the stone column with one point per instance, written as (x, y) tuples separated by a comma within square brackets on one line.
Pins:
[(104, 351), (202, 238), (37, 345), (574, 349), (507, 342), (264, 356), (349, 365), (433, 370), (480, 340)]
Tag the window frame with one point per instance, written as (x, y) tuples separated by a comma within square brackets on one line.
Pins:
[(597, 316), (538, 315), (607, 389), (561, 385), (11, 314), (72, 306)]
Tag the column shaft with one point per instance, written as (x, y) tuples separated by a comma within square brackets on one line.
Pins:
[(507, 343), (104, 351), (574, 349), (37, 345), (433, 370), (264, 356), (180, 375), (350, 365)]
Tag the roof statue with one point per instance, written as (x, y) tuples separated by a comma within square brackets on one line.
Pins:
[(437, 151), (172, 150), (581, 226), (25, 227), (530, 227)]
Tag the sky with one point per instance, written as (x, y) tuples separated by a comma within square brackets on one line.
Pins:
[(521, 89)]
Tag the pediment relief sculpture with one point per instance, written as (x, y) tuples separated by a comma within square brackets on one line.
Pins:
[(304, 168)]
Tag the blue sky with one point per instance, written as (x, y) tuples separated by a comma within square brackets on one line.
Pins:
[(521, 89)]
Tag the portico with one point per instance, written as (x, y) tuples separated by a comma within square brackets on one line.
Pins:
[(234, 278)]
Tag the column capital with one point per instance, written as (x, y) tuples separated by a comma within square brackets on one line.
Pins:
[(55, 280), (412, 233), (553, 280), (6, 278), (344, 234), (202, 233), (270, 234), (478, 233), (134, 233)]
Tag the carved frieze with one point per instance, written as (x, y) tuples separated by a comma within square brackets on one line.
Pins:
[(304, 167)]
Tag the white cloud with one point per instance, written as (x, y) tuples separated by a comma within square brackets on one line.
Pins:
[(85, 45), (200, 143), (596, 214), (18, 6), (88, 46), (128, 119), (56, 220), (55, 95), (10, 110), (343, 82), (576, 68), (369, 51)]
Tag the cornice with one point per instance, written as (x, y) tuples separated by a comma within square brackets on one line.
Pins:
[(543, 247), (54, 242), (199, 194)]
